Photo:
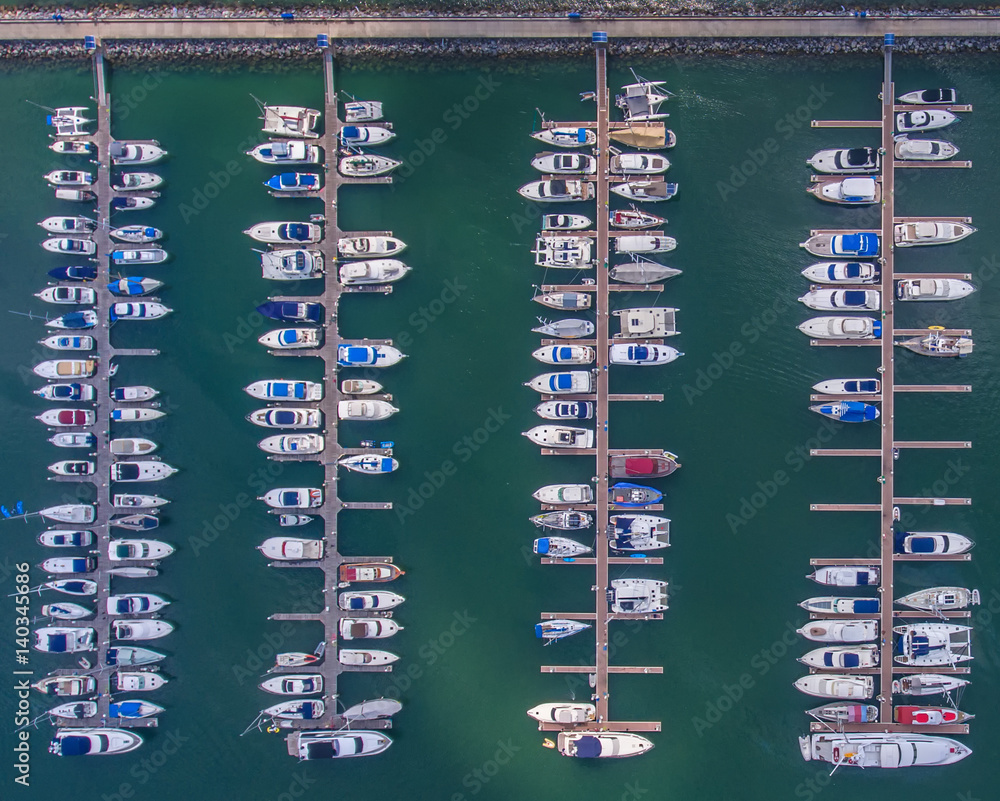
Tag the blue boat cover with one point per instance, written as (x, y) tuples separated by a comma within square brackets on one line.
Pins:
[(862, 578), (125, 709), (289, 498), (288, 179), (638, 353), (624, 524), (356, 603), (877, 329), (74, 587), (865, 606), (291, 336), (279, 390), (852, 661), (283, 417), (851, 270), (78, 565), (306, 179), (581, 135), (920, 645), (149, 232), (538, 631), (563, 354), (123, 607), (296, 231), (57, 643), (385, 465), (357, 355), (307, 710), (922, 545), (854, 297), (588, 747), (74, 745), (561, 381), (350, 132), (542, 545)]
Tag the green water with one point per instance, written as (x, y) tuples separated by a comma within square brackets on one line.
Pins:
[(469, 664)]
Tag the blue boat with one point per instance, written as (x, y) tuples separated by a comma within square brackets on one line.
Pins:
[(634, 495), (133, 710), (82, 272), (848, 411), (294, 182), (134, 285), (291, 312)]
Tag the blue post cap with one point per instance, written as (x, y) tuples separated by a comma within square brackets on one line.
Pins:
[(889, 40), (599, 37), (89, 43), (287, 15), (322, 40)]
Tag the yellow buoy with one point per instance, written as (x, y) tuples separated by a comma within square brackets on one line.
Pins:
[(548, 743), (935, 328)]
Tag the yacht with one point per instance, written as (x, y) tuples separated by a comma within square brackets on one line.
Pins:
[(882, 750)]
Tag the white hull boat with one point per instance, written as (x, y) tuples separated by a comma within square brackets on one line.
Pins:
[(566, 137), (65, 611), (937, 344), (368, 356), (141, 256), (560, 547), (293, 498), (69, 178), (851, 631), (78, 226), (371, 628), (79, 710), (365, 657), (557, 191), (552, 436), (933, 644), (842, 299), (292, 549), (138, 681), (74, 440), (93, 742), (129, 550), (376, 271), (137, 234), (64, 640), (136, 630), (930, 232), (849, 386), (123, 153), (944, 599), (565, 354), (294, 684), (907, 149), (646, 191), (634, 532), (933, 289), (362, 110), (145, 603), (128, 501), (565, 222), (566, 410), (292, 338), (136, 182), (642, 355), (296, 121), (842, 272), (70, 245), (603, 744), (642, 272), (635, 219), (924, 120), (366, 166), (294, 151), (141, 471), (564, 494), (135, 415), (286, 417), (369, 410), (321, 745), (133, 394), (861, 244), (70, 513), (66, 392), (292, 444), (924, 684), (291, 265), (846, 576), (364, 247), (66, 418), (70, 467), (932, 543), (846, 191), (66, 538), (637, 596), (565, 164), (277, 233), (639, 164), (882, 750), (66, 686), (360, 386), (823, 685), (842, 328), (285, 390), (377, 600), (132, 446), (356, 136), (371, 464), (573, 382), (929, 97), (567, 714), (296, 710), (639, 243)]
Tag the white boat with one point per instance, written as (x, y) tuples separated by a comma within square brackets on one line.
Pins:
[(565, 164), (568, 328), (924, 120), (66, 686), (73, 147), (560, 547), (136, 182), (299, 709), (551, 436), (285, 389), (825, 685), (641, 101), (66, 392), (292, 549), (842, 328), (557, 190), (633, 596), (294, 684), (292, 338), (564, 494), (931, 543), (123, 153), (573, 382), (69, 564), (369, 463), (77, 343), (138, 681), (842, 299), (366, 165), (846, 576), (130, 203), (365, 410), (129, 501), (64, 610), (642, 272), (840, 630), (76, 587), (81, 247), (73, 440), (74, 321), (933, 644), (145, 310), (363, 247), (933, 289), (937, 344), (846, 191), (67, 417), (566, 410), (564, 252), (565, 222), (70, 513), (294, 151), (135, 630), (376, 600), (849, 386), (134, 285), (133, 394), (293, 498), (143, 603), (639, 164), (567, 714), (66, 538), (928, 97), (563, 520), (365, 135), (646, 191), (640, 243), (76, 195), (141, 256), (133, 446), (296, 121), (554, 630), (367, 628), (93, 742), (75, 178), (935, 599), (323, 745), (141, 471), (135, 415), (368, 356), (359, 386), (844, 161), (72, 467), (376, 271), (129, 550), (565, 354), (566, 137), (642, 355), (137, 234), (374, 709), (842, 272), (287, 417), (75, 710), (362, 110), (930, 232), (882, 750), (293, 443), (365, 657), (291, 265), (274, 233), (603, 744), (923, 684), (64, 640), (860, 244), (635, 219), (80, 226), (647, 322), (907, 149)]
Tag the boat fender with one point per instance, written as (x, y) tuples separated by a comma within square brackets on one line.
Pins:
[(547, 743)]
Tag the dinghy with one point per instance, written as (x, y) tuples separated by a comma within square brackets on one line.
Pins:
[(565, 520), (846, 576), (93, 742), (376, 271), (861, 244), (294, 151), (842, 161), (840, 630), (292, 338), (565, 437), (292, 549), (130, 550), (560, 547), (642, 355), (564, 494), (293, 498), (368, 356), (369, 463), (557, 190), (646, 191), (847, 411), (137, 234), (929, 120), (843, 272), (566, 137), (84, 247), (601, 745), (842, 328), (367, 657), (287, 417), (376, 600), (284, 389), (134, 285), (907, 149), (569, 328), (293, 444), (366, 165), (364, 135), (573, 382), (565, 222), (554, 630), (937, 344), (825, 685), (634, 596), (565, 410), (933, 289), (136, 182), (569, 301), (565, 164)]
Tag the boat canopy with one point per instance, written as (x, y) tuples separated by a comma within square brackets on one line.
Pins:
[(127, 471), (588, 747), (864, 606), (848, 660), (296, 231), (74, 744), (283, 417), (57, 643), (640, 466), (862, 244)]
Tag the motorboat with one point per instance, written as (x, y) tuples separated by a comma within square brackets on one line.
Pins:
[(365, 410), (142, 256), (69, 564), (287, 520), (66, 538), (566, 410), (640, 243), (136, 182), (294, 182), (929, 97), (135, 415), (377, 600), (924, 120), (944, 599), (293, 444), (73, 178), (300, 709), (565, 714), (71, 467), (639, 164), (827, 685), (369, 463), (368, 356), (292, 549), (140, 629), (566, 137), (67, 417), (141, 471), (351, 572), (294, 684), (371, 628), (321, 745), (77, 587), (565, 354), (132, 203), (133, 394), (75, 195), (133, 446), (74, 440), (646, 191), (565, 164), (937, 344), (365, 657), (294, 151), (635, 596), (131, 550), (565, 222), (145, 310), (292, 338), (75, 272), (276, 233), (572, 382), (843, 272), (843, 657), (644, 136), (602, 744), (138, 681), (297, 121), (286, 417), (374, 709), (933, 289), (80, 226), (283, 389), (642, 466), (907, 149), (137, 234), (569, 328), (129, 153), (846, 576), (560, 547), (362, 110), (363, 247), (564, 252), (73, 147), (375, 271), (642, 271), (365, 135), (882, 750), (930, 543), (922, 684), (840, 630), (565, 437), (553, 630), (569, 301), (366, 165), (563, 520), (635, 219), (929, 715), (70, 513), (647, 322), (854, 191), (64, 640), (861, 244), (133, 710), (625, 495), (845, 713), (291, 265), (74, 321), (67, 392), (135, 604), (293, 498), (847, 411), (74, 710), (557, 190), (70, 245), (66, 686), (638, 532), (841, 605), (135, 522), (134, 285), (564, 494), (930, 232), (93, 742), (133, 572), (642, 355), (842, 328)]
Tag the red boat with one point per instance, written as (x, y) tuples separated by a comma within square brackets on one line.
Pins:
[(635, 219), (929, 715), (369, 571), (643, 466)]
